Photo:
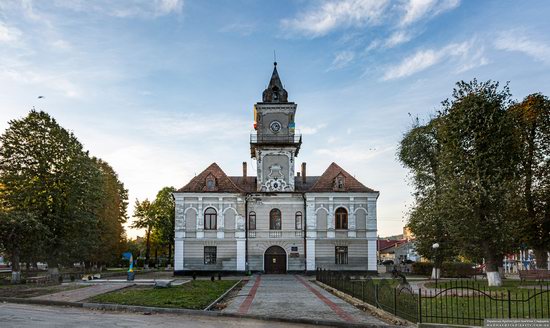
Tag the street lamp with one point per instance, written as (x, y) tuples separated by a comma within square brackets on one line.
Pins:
[(436, 273)]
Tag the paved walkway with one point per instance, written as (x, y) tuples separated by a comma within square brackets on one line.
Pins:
[(293, 296), (79, 294)]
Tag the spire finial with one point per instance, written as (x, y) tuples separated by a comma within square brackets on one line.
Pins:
[(274, 58)]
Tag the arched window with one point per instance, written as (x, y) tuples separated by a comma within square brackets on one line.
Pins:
[(341, 218), (252, 221), (275, 219), (210, 218), (298, 221)]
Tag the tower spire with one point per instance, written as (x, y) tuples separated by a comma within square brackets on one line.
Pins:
[(275, 91)]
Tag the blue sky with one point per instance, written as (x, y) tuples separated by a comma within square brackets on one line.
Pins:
[(162, 88)]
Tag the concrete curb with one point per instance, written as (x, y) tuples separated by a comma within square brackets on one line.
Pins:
[(176, 311), (222, 296), (359, 303)]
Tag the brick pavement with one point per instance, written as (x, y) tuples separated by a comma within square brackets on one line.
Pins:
[(293, 296)]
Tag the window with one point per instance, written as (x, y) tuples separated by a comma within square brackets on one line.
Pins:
[(210, 183), (252, 221), (275, 219), (210, 217), (210, 254), (339, 182), (298, 220), (341, 255), (341, 218)]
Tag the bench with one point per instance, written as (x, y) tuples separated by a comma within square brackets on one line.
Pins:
[(39, 279), (538, 274)]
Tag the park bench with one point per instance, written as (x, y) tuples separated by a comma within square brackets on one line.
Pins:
[(39, 279), (538, 274)]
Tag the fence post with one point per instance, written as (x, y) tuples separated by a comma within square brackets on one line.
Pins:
[(376, 295), (395, 301), (419, 305), (510, 305), (362, 291)]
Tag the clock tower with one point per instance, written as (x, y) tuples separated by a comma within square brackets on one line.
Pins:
[(275, 143)]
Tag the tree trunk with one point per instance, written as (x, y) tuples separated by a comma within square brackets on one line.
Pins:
[(169, 255), (493, 276), (15, 268), (147, 249), (541, 256), (436, 273)]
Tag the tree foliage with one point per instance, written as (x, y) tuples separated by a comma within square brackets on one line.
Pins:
[(470, 163), (46, 176)]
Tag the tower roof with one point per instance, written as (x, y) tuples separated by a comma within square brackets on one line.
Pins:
[(275, 91)]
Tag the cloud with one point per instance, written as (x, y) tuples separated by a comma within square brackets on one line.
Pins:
[(341, 60), (416, 10), (398, 38), (331, 15), (355, 153), (309, 130), (519, 42), (9, 34), (125, 9), (467, 55)]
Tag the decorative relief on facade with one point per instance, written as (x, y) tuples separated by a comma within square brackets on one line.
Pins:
[(180, 217)]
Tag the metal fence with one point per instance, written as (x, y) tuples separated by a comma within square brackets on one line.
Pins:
[(460, 302)]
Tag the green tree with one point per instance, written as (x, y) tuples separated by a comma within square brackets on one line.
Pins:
[(420, 151), (111, 214), (164, 211), (479, 161), (145, 219), (532, 118)]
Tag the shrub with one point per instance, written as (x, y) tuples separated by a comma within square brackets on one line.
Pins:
[(422, 268), (457, 270)]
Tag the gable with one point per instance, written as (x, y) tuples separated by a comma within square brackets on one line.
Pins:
[(212, 174), (332, 179)]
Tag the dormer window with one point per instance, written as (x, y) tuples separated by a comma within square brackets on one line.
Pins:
[(210, 183), (339, 182)]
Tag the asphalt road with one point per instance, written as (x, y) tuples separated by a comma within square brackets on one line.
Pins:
[(25, 315)]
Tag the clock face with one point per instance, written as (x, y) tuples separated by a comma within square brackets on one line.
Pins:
[(275, 126)]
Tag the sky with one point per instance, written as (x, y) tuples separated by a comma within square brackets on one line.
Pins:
[(162, 88)]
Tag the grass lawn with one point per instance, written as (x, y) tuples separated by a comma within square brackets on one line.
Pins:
[(32, 290), (482, 284), (196, 294)]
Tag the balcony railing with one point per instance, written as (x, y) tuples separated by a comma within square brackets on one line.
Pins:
[(276, 139), (275, 234)]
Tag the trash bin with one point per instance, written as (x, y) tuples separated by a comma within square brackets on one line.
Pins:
[(131, 276)]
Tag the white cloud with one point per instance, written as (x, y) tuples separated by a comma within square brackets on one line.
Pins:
[(398, 38), (415, 10), (309, 130), (341, 60), (9, 34), (125, 9), (519, 42), (467, 56), (319, 21)]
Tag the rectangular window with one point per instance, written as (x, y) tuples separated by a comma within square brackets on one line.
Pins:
[(341, 254), (252, 221), (298, 224), (210, 254)]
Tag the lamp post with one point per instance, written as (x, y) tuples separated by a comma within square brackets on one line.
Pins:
[(436, 273)]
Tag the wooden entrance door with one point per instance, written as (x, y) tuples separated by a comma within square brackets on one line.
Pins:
[(275, 260)]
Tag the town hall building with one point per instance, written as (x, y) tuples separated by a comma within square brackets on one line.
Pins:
[(279, 220)]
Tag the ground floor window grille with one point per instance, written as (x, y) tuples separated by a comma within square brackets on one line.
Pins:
[(210, 254), (341, 254)]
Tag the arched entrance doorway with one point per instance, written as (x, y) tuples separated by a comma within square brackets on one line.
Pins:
[(275, 260)]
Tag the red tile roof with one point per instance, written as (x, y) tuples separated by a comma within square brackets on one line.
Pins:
[(383, 244), (327, 181), (223, 182)]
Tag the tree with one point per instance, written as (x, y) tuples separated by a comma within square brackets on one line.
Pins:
[(164, 211), (420, 151), (479, 166), (532, 119), (111, 216), (145, 219), (15, 228)]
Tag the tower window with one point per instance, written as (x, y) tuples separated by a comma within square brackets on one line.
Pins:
[(252, 221), (298, 221), (210, 218), (341, 217), (275, 219)]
